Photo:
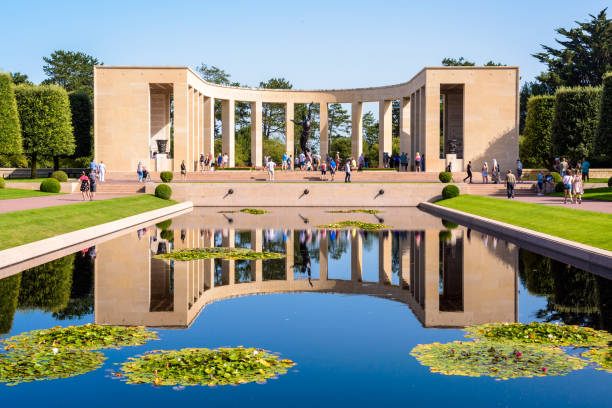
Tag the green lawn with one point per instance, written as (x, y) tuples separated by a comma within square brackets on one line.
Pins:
[(30, 180), (598, 180), (10, 193), (587, 227), (21, 227), (599, 194)]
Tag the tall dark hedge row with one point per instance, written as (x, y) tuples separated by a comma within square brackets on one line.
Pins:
[(603, 142), (9, 294), (10, 128), (537, 132), (575, 121), (80, 106)]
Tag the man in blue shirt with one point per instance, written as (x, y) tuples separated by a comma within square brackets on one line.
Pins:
[(332, 168), (585, 169), (519, 171), (284, 165), (93, 166)]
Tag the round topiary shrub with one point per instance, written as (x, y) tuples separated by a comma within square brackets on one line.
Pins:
[(166, 176), (445, 235), (445, 176), (556, 177), (559, 187), (450, 191), (60, 176), (167, 235), (163, 191), (50, 185), (609, 182), (449, 224), (164, 225), (2, 183)]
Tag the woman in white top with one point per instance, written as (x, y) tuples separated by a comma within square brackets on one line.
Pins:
[(567, 187), (270, 165), (577, 187)]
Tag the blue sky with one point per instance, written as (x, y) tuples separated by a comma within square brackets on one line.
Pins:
[(315, 45)]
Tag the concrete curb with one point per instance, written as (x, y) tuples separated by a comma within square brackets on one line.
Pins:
[(583, 256), (38, 252)]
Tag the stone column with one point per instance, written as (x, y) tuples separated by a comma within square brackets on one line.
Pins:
[(200, 125), (289, 130), (289, 257), (256, 135), (414, 132), (324, 128), (384, 130), (422, 135), (192, 110), (181, 125), (323, 257), (384, 257), (229, 130), (356, 257), (356, 129), (209, 125), (404, 129), (430, 102), (256, 265), (228, 267)]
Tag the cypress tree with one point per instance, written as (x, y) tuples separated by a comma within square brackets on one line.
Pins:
[(80, 107), (603, 142), (538, 126)]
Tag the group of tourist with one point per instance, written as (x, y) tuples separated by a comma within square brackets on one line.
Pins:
[(401, 162), (563, 166), (143, 173), (89, 180)]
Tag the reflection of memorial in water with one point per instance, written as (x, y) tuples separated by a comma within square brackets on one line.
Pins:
[(448, 278)]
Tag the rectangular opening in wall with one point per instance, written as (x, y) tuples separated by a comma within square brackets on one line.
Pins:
[(161, 126), (451, 119)]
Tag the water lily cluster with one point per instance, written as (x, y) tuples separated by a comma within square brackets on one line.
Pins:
[(513, 350), (202, 366), (254, 211), (190, 254), (62, 352), (354, 224), (354, 210)]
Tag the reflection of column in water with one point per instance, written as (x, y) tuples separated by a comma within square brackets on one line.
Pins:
[(404, 261), (257, 245), (289, 255), (304, 267), (323, 254), (209, 264), (227, 266), (384, 257), (356, 257)]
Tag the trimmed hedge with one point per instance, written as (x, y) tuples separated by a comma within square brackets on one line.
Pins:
[(2, 183), (559, 187), (538, 127), (610, 182), (603, 141), (168, 235), (450, 191), (575, 121), (445, 177), (166, 176), (50, 185), (449, 224), (556, 177), (10, 128), (163, 191), (164, 225), (60, 176)]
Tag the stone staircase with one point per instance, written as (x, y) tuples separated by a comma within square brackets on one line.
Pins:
[(120, 188), (522, 189)]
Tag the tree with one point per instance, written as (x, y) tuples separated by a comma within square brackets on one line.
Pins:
[(44, 112), (9, 294), (80, 108), (453, 62), (300, 112), (338, 121), (603, 141), (273, 114), (585, 54), (19, 78), (10, 128), (213, 74), (70, 70), (494, 64), (529, 89), (537, 142), (370, 128), (47, 287)]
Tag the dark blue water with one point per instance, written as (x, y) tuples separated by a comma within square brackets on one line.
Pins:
[(351, 349)]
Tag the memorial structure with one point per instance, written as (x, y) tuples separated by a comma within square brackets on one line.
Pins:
[(447, 114)]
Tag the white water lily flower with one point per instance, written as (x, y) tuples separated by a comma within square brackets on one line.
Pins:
[(550, 336), (54, 350), (255, 352)]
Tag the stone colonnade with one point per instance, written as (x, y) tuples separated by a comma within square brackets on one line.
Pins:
[(132, 105)]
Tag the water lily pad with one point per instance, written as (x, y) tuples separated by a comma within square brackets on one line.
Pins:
[(191, 254), (85, 337), (602, 356), (540, 333), (46, 363), (356, 210), (499, 360), (354, 224), (201, 366)]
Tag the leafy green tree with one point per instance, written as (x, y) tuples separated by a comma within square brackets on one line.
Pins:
[(494, 64), (44, 112), (529, 89), (370, 128), (81, 302), (9, 295), (584, 56), (341, 145), (80, 108), (19, 78), (454, 62), (213, 74), (70, 70), (274, 148), (47, 287), (338, 121), (273, 114), (537, 143), (603, 142), (10, 128), (575, 121)]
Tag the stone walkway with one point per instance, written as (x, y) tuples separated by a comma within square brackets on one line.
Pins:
[(48, 201), (600, 206)]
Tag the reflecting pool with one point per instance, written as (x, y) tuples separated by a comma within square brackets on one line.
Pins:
[(346, 305)]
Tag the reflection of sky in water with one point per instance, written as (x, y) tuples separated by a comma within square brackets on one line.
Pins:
[(352, 350)]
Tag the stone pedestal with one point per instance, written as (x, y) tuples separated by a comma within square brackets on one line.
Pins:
[(161, 162), (452, 159)]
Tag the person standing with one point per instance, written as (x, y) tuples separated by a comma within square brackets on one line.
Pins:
[(332, 169), (84, 185), (577, 188), (485, 173), (347, 169), (567, 186), (519, 171), (270, 165), (201, 162), (417, 162), (138, 171), (220, 160), (323, 171), (586, 166), (540, 184), (183, 170), (510, 181), (102, 171), (225, 160), (92, 185), (469, 172), (93, 166), (284, 163), (563, 166)]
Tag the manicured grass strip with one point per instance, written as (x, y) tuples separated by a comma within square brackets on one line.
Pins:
[(587, 227), (22, 227), (598, 194), (11, 193), (31, 180)]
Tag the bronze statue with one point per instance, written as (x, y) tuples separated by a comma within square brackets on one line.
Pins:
[(305, 124)]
